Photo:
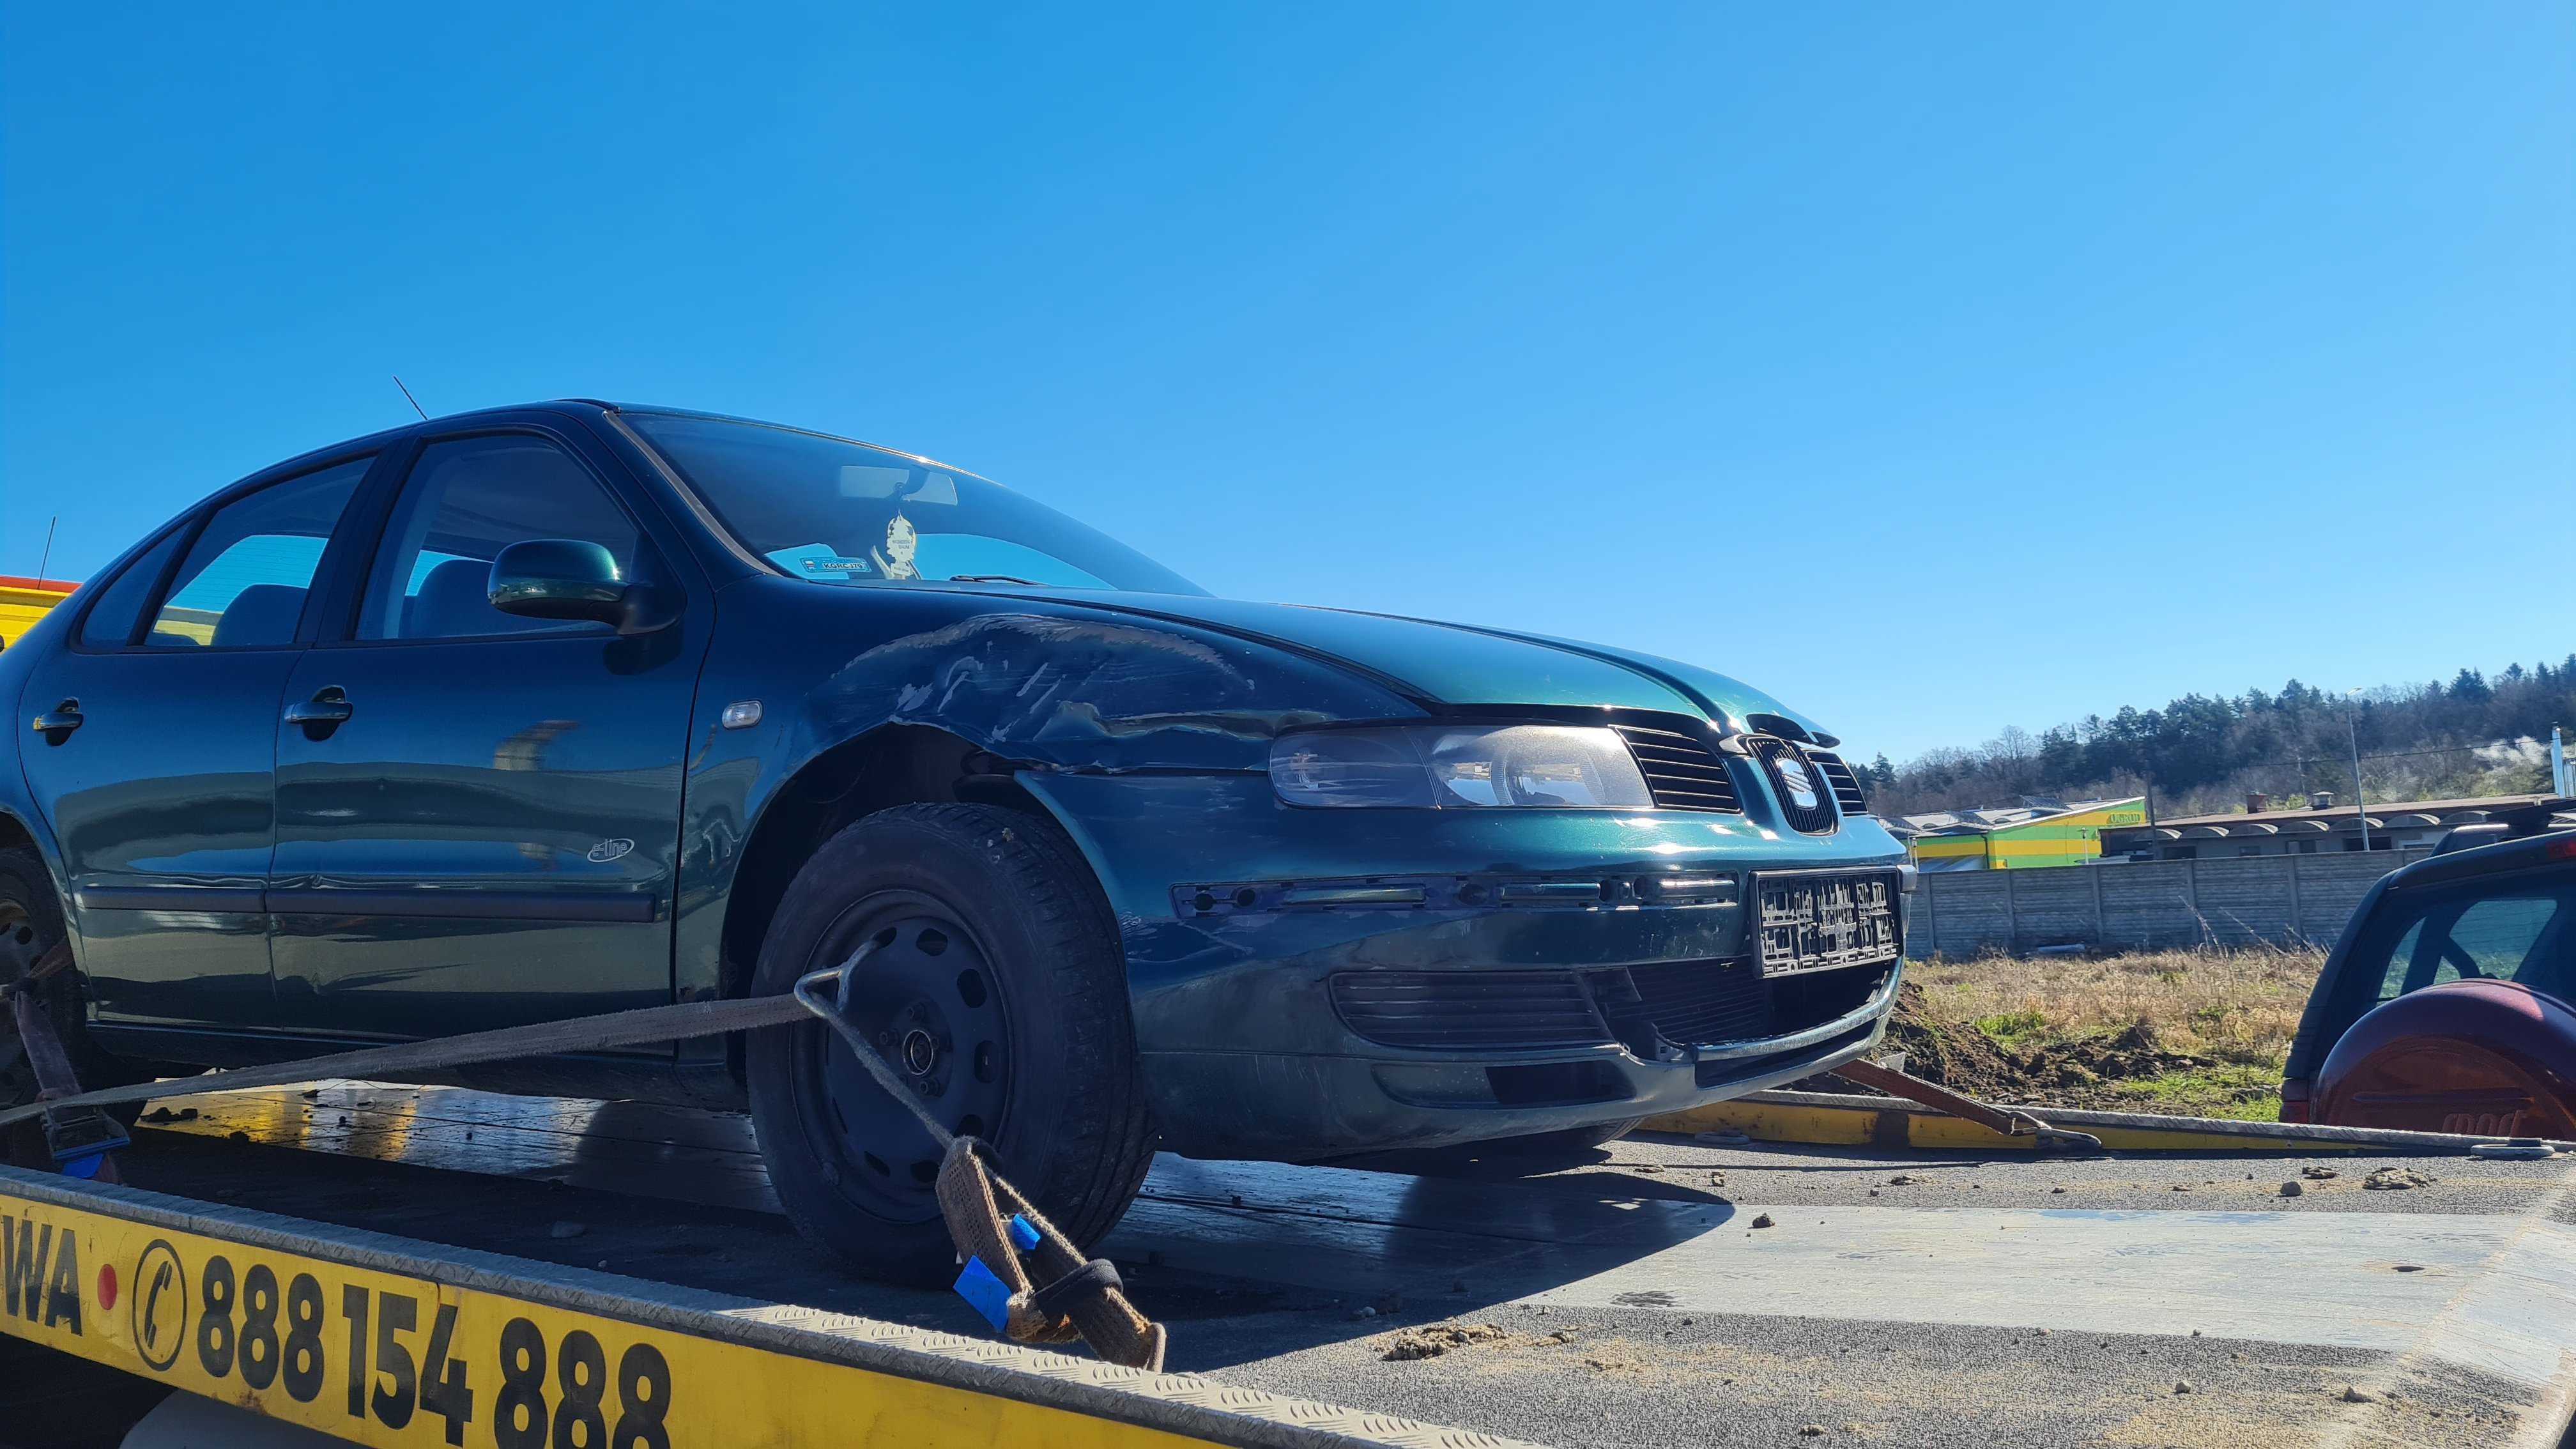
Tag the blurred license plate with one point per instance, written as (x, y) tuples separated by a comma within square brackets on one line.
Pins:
[(1816, 920)]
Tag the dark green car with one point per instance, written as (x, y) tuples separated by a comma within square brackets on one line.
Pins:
[(557, 710)]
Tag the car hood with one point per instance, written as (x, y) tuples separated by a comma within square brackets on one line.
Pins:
[(1458, 664)]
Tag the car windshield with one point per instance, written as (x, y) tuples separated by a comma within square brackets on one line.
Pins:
[(837, 512)]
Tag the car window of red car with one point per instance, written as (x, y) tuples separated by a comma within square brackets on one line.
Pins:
[(2401, 958), (2518, 931), (2497, 938)]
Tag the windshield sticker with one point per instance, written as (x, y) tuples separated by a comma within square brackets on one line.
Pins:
[(902, 541), (836, 565)]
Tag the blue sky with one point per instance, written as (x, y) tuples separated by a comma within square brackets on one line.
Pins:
[(1937, 368)]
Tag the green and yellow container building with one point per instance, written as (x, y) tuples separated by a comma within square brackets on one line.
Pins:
[(2068, 836)]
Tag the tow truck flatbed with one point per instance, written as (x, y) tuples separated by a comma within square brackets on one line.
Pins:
[(1664, 1291)]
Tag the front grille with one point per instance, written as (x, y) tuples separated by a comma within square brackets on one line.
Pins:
[(1468, 1010), (1681, 771), (1846, 786), (1650, 1009), (1692, 1003), (1806, 800)]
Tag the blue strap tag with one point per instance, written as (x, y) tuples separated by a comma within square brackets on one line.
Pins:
[(986, 1294), (1023, 1236)]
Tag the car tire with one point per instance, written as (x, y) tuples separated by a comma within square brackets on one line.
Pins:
[(997, 986), (31, 921)]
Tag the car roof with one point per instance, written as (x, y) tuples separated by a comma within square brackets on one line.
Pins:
[(573, 405), (665, 410), (367, 442), (2520, 853)]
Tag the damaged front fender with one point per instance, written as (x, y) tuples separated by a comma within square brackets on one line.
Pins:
[(1040, 687), (1080, 693)]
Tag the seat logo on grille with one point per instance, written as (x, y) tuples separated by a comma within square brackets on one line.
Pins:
[(1795, 779)]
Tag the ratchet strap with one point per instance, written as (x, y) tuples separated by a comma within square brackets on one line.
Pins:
[(546, 1038), (1080, 1297), (992, 1224), (77, 1138)]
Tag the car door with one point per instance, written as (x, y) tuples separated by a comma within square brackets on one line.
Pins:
[(479, 813), (155, 772)]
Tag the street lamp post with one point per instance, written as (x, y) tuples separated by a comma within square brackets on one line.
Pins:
[(2352, 735)]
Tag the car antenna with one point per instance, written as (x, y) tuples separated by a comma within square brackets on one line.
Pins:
[(407, 397), (48, 559)]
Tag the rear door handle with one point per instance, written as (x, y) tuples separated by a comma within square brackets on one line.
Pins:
[(326, 711), (57, 724)]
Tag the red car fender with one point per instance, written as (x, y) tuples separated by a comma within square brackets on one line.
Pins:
[(2488, 1058)]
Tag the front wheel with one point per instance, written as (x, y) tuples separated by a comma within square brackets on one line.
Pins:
[(995, 987)]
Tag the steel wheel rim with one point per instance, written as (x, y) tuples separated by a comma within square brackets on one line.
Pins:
[(928, 996)]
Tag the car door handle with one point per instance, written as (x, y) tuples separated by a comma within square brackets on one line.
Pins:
[(57, 724), (328, 709)]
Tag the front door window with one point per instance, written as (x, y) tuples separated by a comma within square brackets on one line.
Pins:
[(468, 500)]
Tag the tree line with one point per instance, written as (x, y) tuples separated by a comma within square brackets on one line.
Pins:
[(2201, 755)]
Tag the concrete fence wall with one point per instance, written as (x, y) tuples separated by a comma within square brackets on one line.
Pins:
[(2152, 905)]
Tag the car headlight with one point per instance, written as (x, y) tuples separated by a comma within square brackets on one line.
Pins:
[(1462, 767)]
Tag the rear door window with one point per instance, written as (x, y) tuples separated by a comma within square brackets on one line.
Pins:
[(112, 620), (2499, 939), (244, 582), (2521, 930)]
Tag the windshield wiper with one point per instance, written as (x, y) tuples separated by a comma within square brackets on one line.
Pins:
[(993, 579)]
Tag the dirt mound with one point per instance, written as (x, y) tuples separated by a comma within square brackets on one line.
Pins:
[(2078, 1073), (1433, 1340), (1961, 1058), (2061, 1068)]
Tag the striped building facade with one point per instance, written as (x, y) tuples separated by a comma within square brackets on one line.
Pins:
[(2071, 836)]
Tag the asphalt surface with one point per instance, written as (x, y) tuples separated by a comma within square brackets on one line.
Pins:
[(1377, 1255)]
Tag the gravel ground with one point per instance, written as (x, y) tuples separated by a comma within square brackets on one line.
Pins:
[(1764, 1172), (1642, 1377)]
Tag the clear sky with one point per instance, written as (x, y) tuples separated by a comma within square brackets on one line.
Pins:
[(1937, 368)]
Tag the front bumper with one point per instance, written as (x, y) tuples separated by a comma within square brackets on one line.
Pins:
[(1296, 1107), (1248, 1052)]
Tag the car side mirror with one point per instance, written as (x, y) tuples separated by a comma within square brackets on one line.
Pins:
[(564, 578)]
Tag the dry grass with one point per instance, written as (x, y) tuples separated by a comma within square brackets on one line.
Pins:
[(2238, 1007), (2203, 1033)]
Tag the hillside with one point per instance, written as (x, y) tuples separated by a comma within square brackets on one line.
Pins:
[(2472, 736)]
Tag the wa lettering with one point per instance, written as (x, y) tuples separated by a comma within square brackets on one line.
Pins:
[(40, 1275)]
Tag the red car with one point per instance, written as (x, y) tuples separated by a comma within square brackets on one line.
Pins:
[(2450, 1003)]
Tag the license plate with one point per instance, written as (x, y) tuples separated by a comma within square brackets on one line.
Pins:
[(1816, 920)]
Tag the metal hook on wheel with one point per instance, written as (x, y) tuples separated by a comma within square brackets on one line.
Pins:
[(877, 1066)]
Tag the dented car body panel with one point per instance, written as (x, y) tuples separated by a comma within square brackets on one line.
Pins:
[(1043, 687), (1304, 981)]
